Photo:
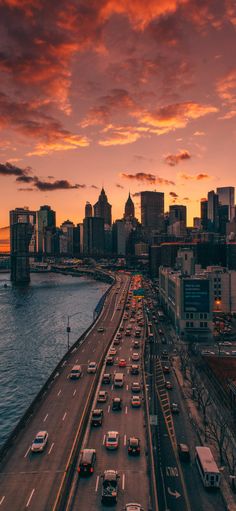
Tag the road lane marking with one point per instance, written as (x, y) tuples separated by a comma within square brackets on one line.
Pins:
[(104, 438), (83, 350), (59, 392), (2, 499), (125, 439), (64, 416), (30, 497), (74, 392), (112, 387), (27, 452), (45, 418), (77, 360), (127, 387), (50, 450), (109, 407), (97, 482), (123, 481), (126, 410), (63, 364)]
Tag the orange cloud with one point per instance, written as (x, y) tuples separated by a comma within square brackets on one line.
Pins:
[(147, 178), (196, 177), (226, 87), (120, 138), (174, 159)]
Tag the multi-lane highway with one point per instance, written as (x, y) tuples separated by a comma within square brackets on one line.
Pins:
[(32, 481), (128, 422)]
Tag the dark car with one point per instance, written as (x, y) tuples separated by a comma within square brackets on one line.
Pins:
[(97, 417), (109, 361), (106, 378), (116, 404), (110, 487), (134, 369), (184, 453), (87, 462), (164, 355), (134, 446)]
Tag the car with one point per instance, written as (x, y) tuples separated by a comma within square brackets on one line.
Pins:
[(133, 506), (97, 417), (92, 368), (164, 355), (160, 331), (110, 487), (116, 404), (135, 402), (118, 335), (136, 344), (112, 440), (76, 372), (102, 396), (134, 369), (135, 356), (121, 328), (135, 387), (109, 360), (101, 329), (134, 446), (166, 368), (112, 352), (184, 453), (106, 379), (116, 341), (174, 408), (86, 462), (40, 441), (128, 333), (122, 362), (168, 385)]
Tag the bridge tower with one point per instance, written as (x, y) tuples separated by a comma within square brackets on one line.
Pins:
[(21, 230)]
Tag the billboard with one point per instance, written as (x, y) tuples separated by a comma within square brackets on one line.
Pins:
[(196, 295)]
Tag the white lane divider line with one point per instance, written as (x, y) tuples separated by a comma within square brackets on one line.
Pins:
[(104, 438), (63, 364), (64, 416), (108, 410), (30, 497), (45, 418), (126, 410), (27, 452), (77, 360), (97, 482), (112, 387), (74, 392), (127, 387), (2, 500), (125, 439), (123, 481), (51, 447), (59, 392)]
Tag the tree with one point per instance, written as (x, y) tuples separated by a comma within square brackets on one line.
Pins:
[(216, 431), (230, 458)]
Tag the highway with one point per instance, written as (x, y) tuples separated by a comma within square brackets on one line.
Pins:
[(133, 471), (29, 480)]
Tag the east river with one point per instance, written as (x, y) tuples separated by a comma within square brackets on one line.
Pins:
[(33, 321)]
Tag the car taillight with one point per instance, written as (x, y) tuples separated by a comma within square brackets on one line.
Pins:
[(91, 469), (78, 469)]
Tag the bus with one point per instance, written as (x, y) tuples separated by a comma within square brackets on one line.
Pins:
[(207, 467), (160, 315)]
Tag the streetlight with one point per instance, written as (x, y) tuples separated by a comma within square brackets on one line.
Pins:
[(68, 328)]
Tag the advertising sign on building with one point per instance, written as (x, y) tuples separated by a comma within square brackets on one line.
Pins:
[(196, 295)]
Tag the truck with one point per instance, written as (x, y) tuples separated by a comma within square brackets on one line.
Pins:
[(110, 487)]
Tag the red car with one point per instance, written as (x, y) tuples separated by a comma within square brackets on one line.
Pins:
[(122, 362)]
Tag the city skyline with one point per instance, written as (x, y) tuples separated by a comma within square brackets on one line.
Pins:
[(130, 96)]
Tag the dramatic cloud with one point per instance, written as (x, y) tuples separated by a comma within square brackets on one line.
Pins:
[(196, 177), (174, 159), (8, 169), (145, 177), (226, 87), (173, 194), (61, 184)]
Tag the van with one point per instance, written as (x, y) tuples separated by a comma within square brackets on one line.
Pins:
[(75, 372), (118, 380)]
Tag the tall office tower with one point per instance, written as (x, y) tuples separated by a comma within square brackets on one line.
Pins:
[(66, 240), (177, 220), (129, 209), (204, 219), (223, 218), (119, 237), (197, 222), (22, 225), (226, 198), (45, 220), (152, 210), (102, 208), (88, 209), (93, 236), (213, 211)]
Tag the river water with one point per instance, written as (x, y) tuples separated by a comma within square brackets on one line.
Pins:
[(33, 321)]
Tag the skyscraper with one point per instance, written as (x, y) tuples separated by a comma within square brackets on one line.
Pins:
[(213, 211), (204, 219), (102, 208), (152, 210), (88, 209), (93, 236), (45, 218), (129, 209), (226, 198), (177, 220)]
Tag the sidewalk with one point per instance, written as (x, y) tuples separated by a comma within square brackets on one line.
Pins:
[(197, 422)]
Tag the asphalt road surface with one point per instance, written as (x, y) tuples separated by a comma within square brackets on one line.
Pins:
[(31, 481)]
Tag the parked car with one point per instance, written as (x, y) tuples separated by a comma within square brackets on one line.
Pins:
[(40, 441)]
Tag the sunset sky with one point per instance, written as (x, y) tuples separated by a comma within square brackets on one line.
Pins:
[(129, 94)]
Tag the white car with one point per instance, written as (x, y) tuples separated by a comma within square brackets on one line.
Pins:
[(112, 440), (40, 441), (112, 351), (135, 356), (133, 506), (92, 368)]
